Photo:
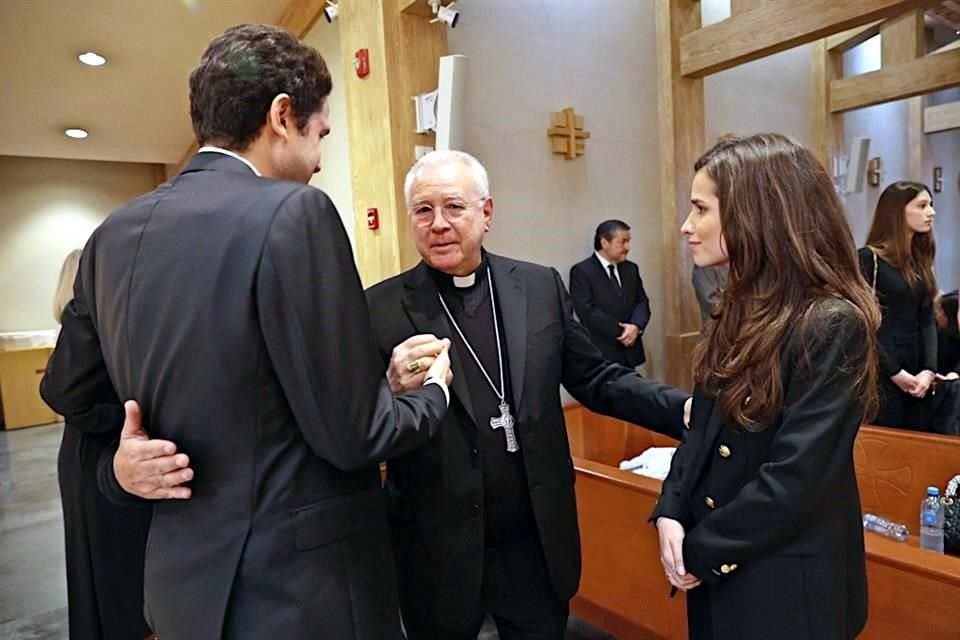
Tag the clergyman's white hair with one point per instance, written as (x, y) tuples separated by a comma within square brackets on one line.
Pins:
[(435, 158)]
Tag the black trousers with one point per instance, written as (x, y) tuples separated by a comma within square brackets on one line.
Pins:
[(105, 546), (516, 592)]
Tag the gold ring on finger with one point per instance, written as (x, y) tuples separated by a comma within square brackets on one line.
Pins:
[(414, 366)]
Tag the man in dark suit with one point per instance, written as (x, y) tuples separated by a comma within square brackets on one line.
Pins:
[(608, 296), (483, 517), (708, 284), (226, 302)]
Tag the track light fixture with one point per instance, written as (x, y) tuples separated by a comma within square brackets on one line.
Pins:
[(331, 11), (446, 14)]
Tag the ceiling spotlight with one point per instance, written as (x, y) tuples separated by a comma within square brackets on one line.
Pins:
[(331, 11), (92, 59), (446, 14), (78, 134)]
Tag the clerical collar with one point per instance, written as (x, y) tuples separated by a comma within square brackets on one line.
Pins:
[(465, 283)]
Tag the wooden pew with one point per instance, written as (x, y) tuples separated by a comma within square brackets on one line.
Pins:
[(913, 593)]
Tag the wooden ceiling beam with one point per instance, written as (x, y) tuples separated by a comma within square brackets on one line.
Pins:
[(776, 26), (846, 40), (924, 75)]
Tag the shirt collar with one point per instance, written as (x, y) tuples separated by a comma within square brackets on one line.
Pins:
[(603, 261), (212, 149)]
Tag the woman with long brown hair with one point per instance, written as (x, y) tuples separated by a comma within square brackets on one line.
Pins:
[(898, 265), (759, 518)]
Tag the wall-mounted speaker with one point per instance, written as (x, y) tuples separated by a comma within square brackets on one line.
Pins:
[(857, 164), (451, 102)]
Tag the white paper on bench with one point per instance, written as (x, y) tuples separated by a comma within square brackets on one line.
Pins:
[(653, 463)]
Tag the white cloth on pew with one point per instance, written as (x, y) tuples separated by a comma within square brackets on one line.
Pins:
[(653, 463), (20, 340)]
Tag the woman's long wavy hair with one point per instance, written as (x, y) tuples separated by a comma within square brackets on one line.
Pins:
[(911, 253), (788, 244)]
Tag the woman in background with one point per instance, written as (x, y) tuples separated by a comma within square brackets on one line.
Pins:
[(104, 543), (898, 265), (759, 518)]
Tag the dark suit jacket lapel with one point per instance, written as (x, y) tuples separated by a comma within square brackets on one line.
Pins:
[(629, 280), (603, 275), (511, 292), (708, 414), (422, 305)]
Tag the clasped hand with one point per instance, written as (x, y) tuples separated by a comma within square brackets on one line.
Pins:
[(628, 337), (915, 385), (671, 554), (416, 359)]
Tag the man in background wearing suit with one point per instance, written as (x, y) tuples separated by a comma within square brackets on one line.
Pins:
[(708, 284), (484, 517), (608, 296), (226, 302)]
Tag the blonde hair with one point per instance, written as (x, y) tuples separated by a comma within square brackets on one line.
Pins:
[(64, 293)]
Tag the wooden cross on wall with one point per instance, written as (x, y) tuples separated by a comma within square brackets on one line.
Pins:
[(566, 133)]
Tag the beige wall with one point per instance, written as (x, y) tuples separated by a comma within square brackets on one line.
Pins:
[(771, 94), (528, 59), (47, 208), (334, 177)]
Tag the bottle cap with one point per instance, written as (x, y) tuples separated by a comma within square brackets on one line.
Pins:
[(933, 491)]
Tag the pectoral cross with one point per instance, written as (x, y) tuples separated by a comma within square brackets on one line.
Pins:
[(505, 422)]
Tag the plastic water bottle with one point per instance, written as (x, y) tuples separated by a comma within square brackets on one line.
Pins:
[(931, 521), (885, 527)]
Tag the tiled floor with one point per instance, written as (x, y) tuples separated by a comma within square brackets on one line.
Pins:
[(33, 593), (33, 589)]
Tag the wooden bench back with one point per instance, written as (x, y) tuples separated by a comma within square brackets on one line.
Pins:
[(894, 467)]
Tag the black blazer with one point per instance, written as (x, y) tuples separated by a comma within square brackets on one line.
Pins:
[(104, 543), (601, 306), (229, 306), (435, 492), (773, 517), (908, 332)]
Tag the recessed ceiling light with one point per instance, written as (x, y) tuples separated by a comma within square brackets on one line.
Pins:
[(79, 134), (92, 59)]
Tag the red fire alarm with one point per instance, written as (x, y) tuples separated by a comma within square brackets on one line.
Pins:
[(361, 62), (373, 219)]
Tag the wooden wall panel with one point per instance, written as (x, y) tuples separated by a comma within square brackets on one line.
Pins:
[(381, 123), (682, 141), (826, 65), (742, 6), (902, 39)]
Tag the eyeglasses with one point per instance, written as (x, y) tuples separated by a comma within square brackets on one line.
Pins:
[(424, 213)]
